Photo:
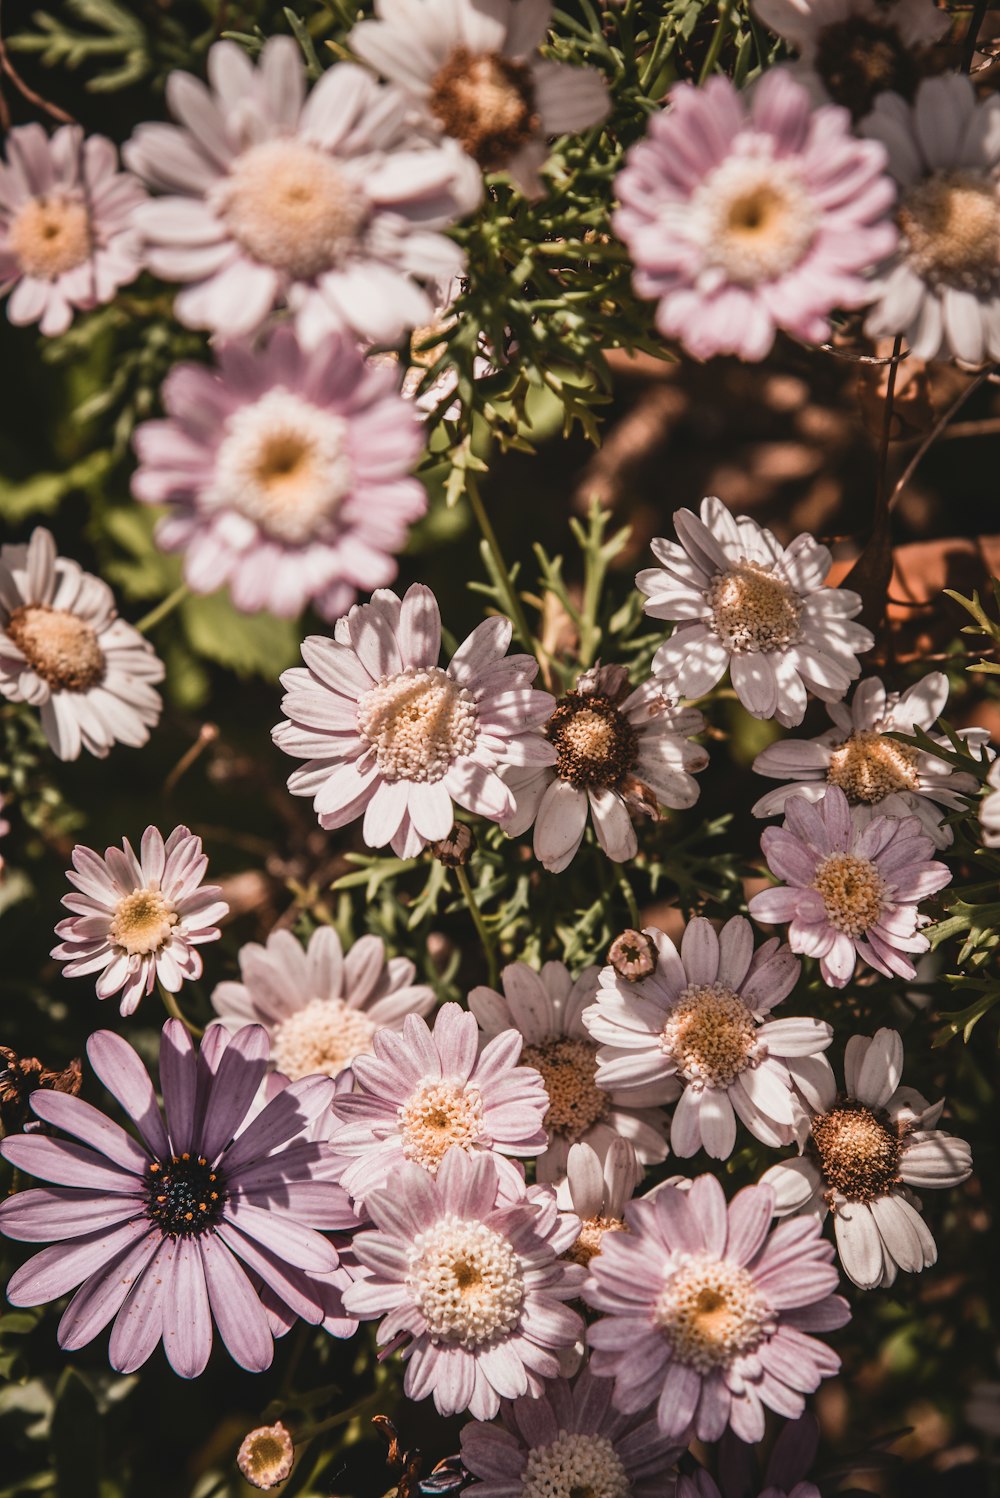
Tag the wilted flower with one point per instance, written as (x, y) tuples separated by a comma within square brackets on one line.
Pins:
[(66, 235), (746, 604), (64, 650), (137, 921), (632, 955), (20, 1075), (867, 1147), (852, 885), (266, 1456)]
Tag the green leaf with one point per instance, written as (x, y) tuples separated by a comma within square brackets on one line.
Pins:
[(249, 644), (45, 492)]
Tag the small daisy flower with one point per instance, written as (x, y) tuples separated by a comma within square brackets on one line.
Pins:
[(746, 214), (137, 921), (390, 734), (64, 650), (941, 288), (331, 204), (569, 1440), (547, 1008), (596, 1190), (878, 775), (708, 1313), (287, 474), (746, 604), (266, 1456), (852, 886), (66, 236), (700, 1021), (423, 1093), (852, 50), (471, 1281), (320, 1007), (618, 753), (476, 75), (989, 809), (169, 1233), (867, 1148)]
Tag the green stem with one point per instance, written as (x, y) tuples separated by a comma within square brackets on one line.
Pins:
[(630, 900), (489, 946), (718, 37), (369, 1405), (172, 1007), (152, 619), (513, 603)]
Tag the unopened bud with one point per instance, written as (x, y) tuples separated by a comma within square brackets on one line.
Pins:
[(454, 850), (632, 955), (266, 1456)]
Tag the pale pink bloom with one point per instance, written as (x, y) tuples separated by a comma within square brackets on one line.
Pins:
[(391, 735), (852, 888), (744, 215), (701, 1022), (287, 473), (321, 1007), (596, 1189), (66, 235), (618, 753), (989, 809), (137, 921), (331, 205), (708, 1313), (867, 1148), (879, 775), (941, 288), (64, 650), (434, 1236), (547, 1008), (474, 72), (742, 602)]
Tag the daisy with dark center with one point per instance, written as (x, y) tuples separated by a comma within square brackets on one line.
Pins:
[(700, 1024), (853, 885), (163, 1234), (596, 1190), (547, 1009), (742, 602), (64, 650), (707, 1312), (136, 921), (866, 1149), (476, 75), (618, 753)]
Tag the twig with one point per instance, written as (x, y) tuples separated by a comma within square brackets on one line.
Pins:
[(972, 35), (934, 433), (23, 89), (207, 734), (883, 455)]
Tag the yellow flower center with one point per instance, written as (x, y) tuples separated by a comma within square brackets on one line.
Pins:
[(418, 722), (487, 103), (575, 1466), (709, 1035), (868, 767), (437, 1117), (142, 922), (592, 1230), (858, 1152), (710, 1311), (568, 1067), (467, 1282), (58, 646), (757, 219), (50, 235), (951, 227), (853, 892), (324, 1036), (754, 609)]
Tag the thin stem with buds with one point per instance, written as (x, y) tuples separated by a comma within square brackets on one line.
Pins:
[(485, 935)]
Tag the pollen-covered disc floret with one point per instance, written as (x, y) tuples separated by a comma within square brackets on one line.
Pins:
[(858, 1152), (437, 1117), (418, 722), (852, 890), (323, 1036), (142, 922), (761, 219), (185, 1195), (711, 1313), (60, 647), (710, 1035), (486, 102), (466, 1281), (567, 1068), (868, 767), (595, 743), (753, 608), (575, 1465)]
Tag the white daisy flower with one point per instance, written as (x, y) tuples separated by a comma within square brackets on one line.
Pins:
[(596, 1190)]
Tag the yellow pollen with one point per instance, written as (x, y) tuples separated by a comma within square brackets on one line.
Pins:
[(49, 236), (266, 1456), (592, 1230), (711, 1312), (568, 1067), (595, 744), (418, 722), (951, 228), (575, 1465), (142, 923), (709, 1035), (853, 892), (754, 609), (755, 219), (437, 1117), (858, 1152), (467, 1282), (58, 646), (324, 1036), (868, 767), (487, 103)]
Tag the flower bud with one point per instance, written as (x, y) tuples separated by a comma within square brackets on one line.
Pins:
[(632, 955)]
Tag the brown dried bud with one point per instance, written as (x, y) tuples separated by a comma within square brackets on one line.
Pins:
[(604, 681), (20, 1075), (639, 799), (455, 849), (266, 1456), (632, 955)]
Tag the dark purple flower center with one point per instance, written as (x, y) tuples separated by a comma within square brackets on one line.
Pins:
[(184, 1195)]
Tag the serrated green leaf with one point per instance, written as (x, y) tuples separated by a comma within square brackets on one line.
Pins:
[(249, 644)]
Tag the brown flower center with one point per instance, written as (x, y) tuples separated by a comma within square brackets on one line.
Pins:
[(858, 1152), (595, 744), (592, 1230), (568, 1067), (868, 767), (753, 609), (50, 235), (858, 58), (853, 892), (59, 647), (709, 1035), (951, 227), (487, 103)]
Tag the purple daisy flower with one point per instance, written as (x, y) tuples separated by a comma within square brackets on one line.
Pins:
[(67, 240), (749, 213), (139, 920), (287, 473), (570, 1440), (320, 1007), (471, 1280), (701, 1021), (709, 1313), (390, 734), (423, 1093), (852, 886), (331, 204), (784, 1476), (164, 1234), (548, 1008)]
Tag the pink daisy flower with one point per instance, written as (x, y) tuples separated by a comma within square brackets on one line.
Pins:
[(320, 1007), (175, 1231), (331, 204), (619, 753), (64, 650), (66, 235), (569, 1440), (867, 1148), (701, 1021), (596, 1190), (389, 733), (746, 214), (547, 1009), (423, 1093), (138, 921), (287, 474), (742, 602), (709, 1313), (476, 75), (852, 886), (470, 1281)]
